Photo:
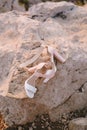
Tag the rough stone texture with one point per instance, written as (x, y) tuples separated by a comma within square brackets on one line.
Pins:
[(78, 124), (42, 12), (65, 26), (8, 5)]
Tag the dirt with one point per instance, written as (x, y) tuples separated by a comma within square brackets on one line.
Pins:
[(2, 123), (43, 122)]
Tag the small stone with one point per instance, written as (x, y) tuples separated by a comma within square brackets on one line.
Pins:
[(33, 125), (42, 127), (20, 128), (42, 117), (30, 128), (49, 128), (47, 123), (63, 120)]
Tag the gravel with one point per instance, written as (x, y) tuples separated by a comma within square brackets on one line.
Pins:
[(43, 122)]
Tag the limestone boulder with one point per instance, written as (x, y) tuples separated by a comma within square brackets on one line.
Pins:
[(9, 5), (43, 11), (21, 34)]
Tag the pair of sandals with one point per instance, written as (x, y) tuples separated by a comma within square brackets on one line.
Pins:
[(36, 70)]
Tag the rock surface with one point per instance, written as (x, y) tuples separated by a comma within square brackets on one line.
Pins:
[(9, 5), (78, 124), (62, 25), (23, 5)]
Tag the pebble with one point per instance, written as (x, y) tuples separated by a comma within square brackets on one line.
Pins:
[(47, 123), (43, 127), (30, 128), (49, 128), (33, 125), (20, 128), (42, 118)]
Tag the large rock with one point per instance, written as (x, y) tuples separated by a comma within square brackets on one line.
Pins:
[(8, 5), (23, 5), (20, 36)]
